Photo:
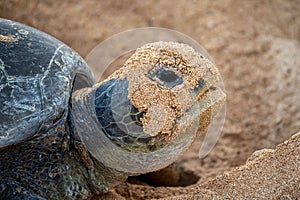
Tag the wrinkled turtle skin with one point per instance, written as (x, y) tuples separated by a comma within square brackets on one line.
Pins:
[(63, 136)]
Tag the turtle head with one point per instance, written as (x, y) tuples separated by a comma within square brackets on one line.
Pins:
[(142, 117)]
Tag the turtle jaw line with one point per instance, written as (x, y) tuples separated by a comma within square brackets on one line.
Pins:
[(205, 92), (211, 100)]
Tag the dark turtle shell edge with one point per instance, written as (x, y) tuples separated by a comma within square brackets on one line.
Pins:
[(37, 76)]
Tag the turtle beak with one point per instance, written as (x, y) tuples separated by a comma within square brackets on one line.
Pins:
[(210, 98), (208, 91)]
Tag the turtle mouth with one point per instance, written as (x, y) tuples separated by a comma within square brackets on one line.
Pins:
[(211, 99), (208, 92)]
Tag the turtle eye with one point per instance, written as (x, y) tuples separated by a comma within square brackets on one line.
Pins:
[(167, 77)]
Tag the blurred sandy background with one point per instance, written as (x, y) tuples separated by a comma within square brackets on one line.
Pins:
[(254, 43)]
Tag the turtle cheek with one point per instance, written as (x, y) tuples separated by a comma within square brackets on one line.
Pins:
[(157, 119)]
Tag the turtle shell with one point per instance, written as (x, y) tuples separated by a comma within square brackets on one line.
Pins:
[(38, 73)]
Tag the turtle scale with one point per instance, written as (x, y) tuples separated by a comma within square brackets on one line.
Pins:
[(37, 75)]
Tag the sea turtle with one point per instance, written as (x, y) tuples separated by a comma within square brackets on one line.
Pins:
[(63, 136)]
